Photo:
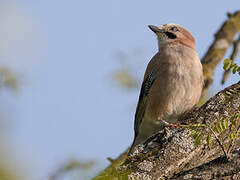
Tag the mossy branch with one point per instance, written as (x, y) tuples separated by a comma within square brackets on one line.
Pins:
[(172, 151), (224, 38)]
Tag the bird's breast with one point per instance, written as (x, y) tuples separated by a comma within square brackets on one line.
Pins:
[(177, 87)]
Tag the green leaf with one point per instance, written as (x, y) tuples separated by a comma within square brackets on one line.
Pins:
[(225, 124), (234, 68), (231, 90), (198, 139), (228, 92), (238, 132), (227, 64), (193, 127), (196, 134), (233, 120), (227, 60), (221, 126), (233, 135), (226, 67), (218, 129), (191, 133), (238, 69)]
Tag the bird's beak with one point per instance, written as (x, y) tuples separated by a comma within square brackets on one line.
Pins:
[(155, 29)]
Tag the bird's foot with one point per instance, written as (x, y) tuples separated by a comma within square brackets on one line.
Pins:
[(166, 124)]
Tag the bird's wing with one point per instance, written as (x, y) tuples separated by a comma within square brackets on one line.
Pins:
[(146, 85)]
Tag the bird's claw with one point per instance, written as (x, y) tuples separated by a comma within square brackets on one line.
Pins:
[(166, 124)]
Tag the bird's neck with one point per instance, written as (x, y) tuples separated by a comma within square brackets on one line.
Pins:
[(178, 50), (174, 46), (189, 44)]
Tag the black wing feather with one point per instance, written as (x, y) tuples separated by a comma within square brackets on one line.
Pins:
[(146, 85)]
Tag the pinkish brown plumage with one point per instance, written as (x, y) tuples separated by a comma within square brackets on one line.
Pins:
[(172, 83)]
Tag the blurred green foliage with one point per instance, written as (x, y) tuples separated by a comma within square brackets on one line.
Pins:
[(125, 79), (7, 174), (8, 79), (75, 169), (129, 65)]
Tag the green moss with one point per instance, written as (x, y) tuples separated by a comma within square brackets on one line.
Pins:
[(113, 174)]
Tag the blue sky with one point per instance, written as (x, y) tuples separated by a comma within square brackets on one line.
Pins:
[(64, 54)]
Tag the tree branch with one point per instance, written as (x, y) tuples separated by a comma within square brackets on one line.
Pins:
[(223, 40), (216, 169), (233, 57), (172, 151)]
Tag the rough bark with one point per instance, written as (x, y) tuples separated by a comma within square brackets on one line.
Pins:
[(216, 169), (171, 152)]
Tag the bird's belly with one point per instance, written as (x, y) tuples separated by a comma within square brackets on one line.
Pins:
[(176, 95)]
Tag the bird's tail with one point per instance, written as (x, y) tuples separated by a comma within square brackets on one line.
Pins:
[(131, 149)]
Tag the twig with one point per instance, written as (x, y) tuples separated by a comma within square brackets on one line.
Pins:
[(233, 57), (223, 40), (213, 132), (233, 141), (219, 142)]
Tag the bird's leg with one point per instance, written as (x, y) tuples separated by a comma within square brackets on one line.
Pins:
[(166, 124)]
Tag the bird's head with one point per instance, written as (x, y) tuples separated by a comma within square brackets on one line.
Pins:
[(173, 33)]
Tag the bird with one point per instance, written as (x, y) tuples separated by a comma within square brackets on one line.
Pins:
[(172, 83)]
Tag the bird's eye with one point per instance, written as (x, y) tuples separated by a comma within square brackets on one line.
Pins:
[(174, 29)]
